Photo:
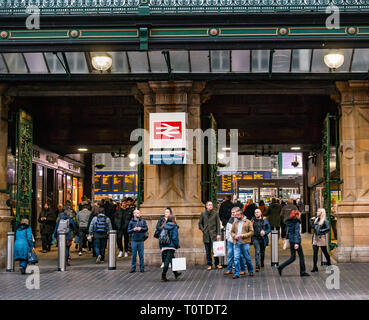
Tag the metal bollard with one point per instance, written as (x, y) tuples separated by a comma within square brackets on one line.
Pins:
[(62, 246), (274, 248), (112, 248), (10, 252)]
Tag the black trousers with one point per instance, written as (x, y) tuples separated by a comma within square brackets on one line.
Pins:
[(293, 258), (126, 240), (46, 239), (82, 233), (168, 256), (325, 252), (119, 240)]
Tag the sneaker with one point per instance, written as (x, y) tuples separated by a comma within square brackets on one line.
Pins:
[(120, 255), (125, 254), (98, 259), (162, 265), (80, 253)]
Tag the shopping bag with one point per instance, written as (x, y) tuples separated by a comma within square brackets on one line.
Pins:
[(219, 248), (32, 258), (178, 264), (286, 244)]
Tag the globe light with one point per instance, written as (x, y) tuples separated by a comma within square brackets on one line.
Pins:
[(132, 156), (334, 60), (132, 164), (101, 61), (221, 156)]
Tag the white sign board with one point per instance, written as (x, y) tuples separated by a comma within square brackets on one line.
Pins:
[(168, 130)]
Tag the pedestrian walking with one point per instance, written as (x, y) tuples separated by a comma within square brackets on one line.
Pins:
[(23, 244), (230, 245), (127, 215), (99, 228), (320, 237), (293, 234), (285, 215), (209, 224), (82, 222), (260, 238), (263, 208), (170, 245), (242, 231), (47, 220), (66, 224), (137, 227), (274, 214), (94, 212), (159, 227)]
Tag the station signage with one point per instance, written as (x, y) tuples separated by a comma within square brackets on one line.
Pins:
[(168, 141)]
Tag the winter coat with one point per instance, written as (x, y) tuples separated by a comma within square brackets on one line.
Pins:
[(72, 226), (250, 211), (158, 228), (286, 211), (261, 224), (80, 206), (320, 236), (293, 230), (23, 242), (238, 204), (209, 224), (225, 211), (82, 218), (246, 233), (137, 235), (91, 229), (274, 215), (47, 226), (127, 217), (173, 235)]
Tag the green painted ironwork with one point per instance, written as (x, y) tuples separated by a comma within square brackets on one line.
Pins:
[(144, 39), (23, 162), (146, 7), (326, 145)]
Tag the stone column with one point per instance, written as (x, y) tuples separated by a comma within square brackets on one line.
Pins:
[(5, 218), (175, 186), (353, 210)]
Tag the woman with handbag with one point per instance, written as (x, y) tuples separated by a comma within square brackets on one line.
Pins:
[(293, 233), (170, 246), (159, 227), (320, 237), (23, 245)]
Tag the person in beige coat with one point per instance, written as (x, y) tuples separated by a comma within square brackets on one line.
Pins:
[(242, 231)]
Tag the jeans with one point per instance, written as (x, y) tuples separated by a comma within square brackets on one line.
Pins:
[(209, 249), (137, 247), (168, 255), (230, 256), (46, 239), (242, 250), (325, 252), (100, 246), (82, 233), (293, 258), (259, 252)]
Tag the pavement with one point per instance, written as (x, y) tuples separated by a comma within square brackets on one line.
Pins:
[(86, 280)]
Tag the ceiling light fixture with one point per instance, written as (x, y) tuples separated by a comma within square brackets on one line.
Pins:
[(101, 61), (334, 60)]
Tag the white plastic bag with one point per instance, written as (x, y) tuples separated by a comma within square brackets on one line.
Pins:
[(178, 264), (219, 248)]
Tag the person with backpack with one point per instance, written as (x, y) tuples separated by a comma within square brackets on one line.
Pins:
[(169, 243), (159, 227), (66, 224), (23, 244), (138, 228), (99, 227), (260, 238)]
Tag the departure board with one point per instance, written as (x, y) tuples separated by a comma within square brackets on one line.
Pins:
[(226, 183), (118, 182), (97, 183), (129, 183), (226, 178), (107, 183)]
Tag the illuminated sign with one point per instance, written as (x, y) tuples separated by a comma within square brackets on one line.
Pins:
[(114, 182)]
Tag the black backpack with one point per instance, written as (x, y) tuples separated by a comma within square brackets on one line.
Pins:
[(164, 238)]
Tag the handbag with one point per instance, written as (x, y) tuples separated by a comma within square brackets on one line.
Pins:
[(286, 242), (32, 258), (179, 264)]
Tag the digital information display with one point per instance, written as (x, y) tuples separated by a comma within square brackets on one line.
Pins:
[(129, 183), (115, 182), (107, 183), (118, 182), (97, 183), (287, 158)]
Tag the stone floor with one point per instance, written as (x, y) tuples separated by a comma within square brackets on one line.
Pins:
[(86, 280)]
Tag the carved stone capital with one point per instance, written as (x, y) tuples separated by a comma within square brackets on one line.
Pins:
[(353, 91)]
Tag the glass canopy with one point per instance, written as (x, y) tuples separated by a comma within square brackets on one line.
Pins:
[(304, 61)]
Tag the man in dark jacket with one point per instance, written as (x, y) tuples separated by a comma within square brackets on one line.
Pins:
[(250, 209), (122, 218), (225, 210), (210, 227), (238, 203), (47, 222), (137, 227), (261, 231), (274, 214), (285, 214)]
